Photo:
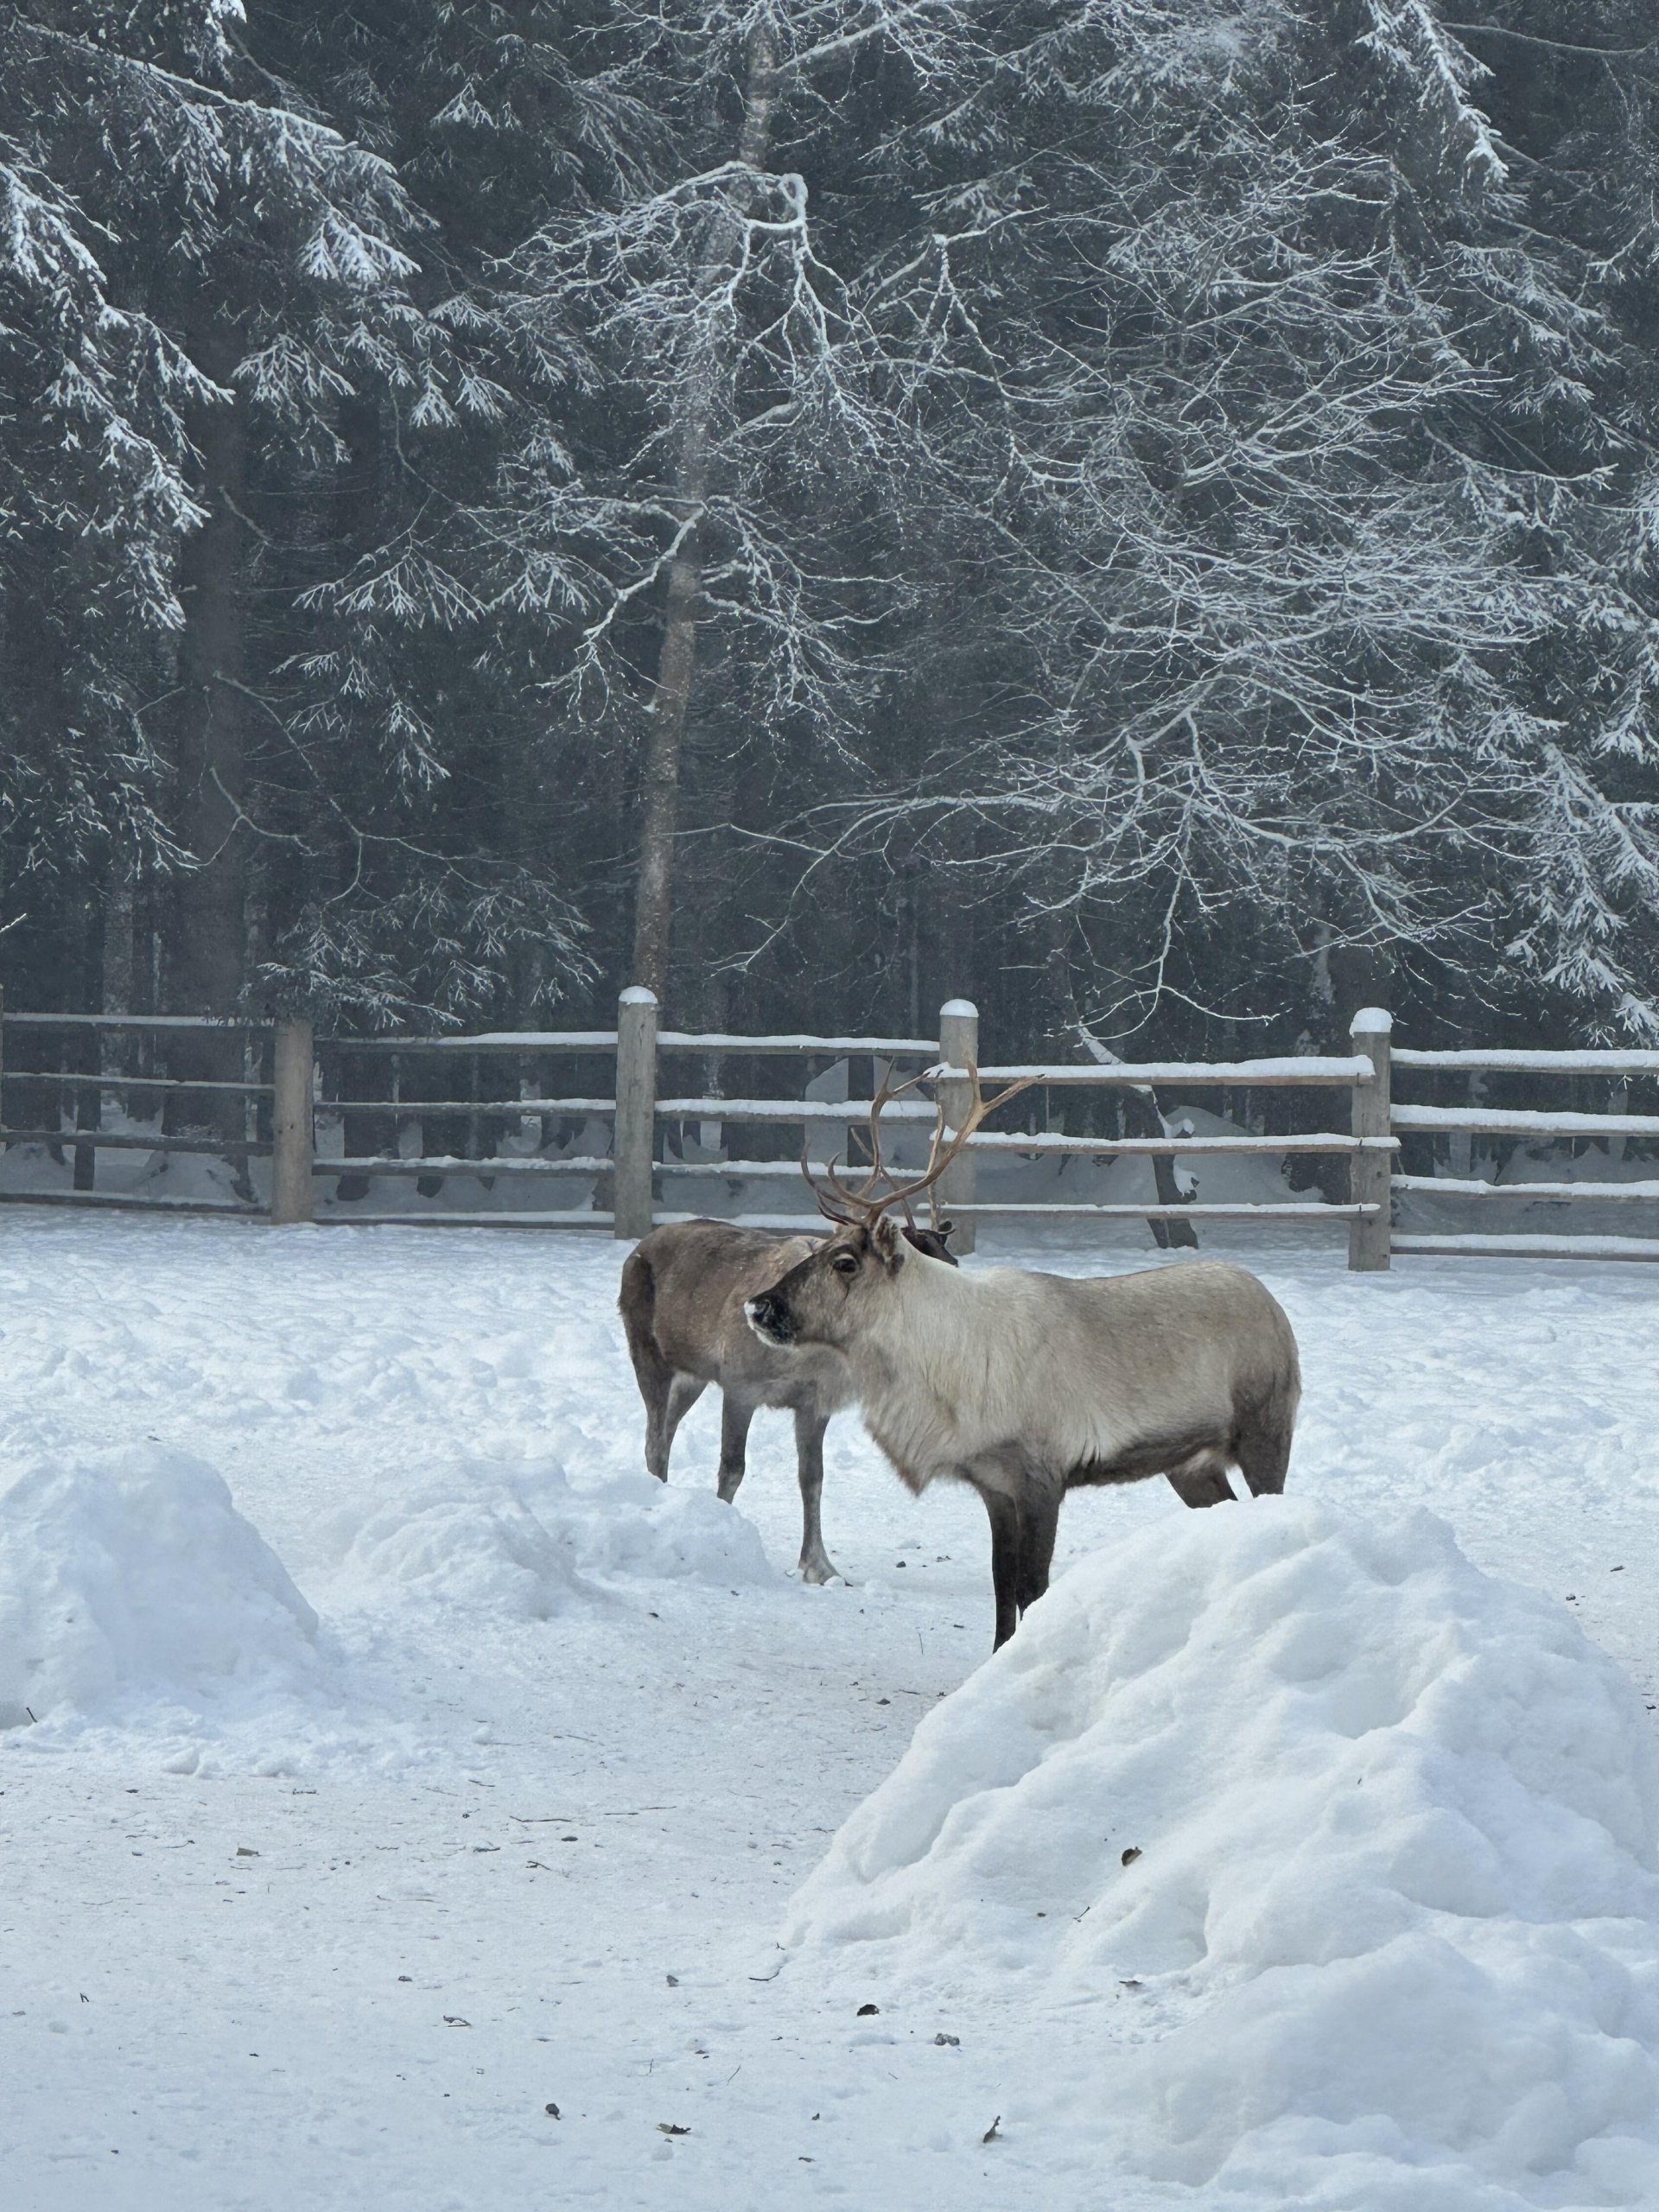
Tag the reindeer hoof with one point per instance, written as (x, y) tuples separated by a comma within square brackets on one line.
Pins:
[(820, 1571)]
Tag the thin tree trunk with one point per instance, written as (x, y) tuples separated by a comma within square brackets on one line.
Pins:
[(114, 1053), (204, 944), (677, 664), (206, 953)]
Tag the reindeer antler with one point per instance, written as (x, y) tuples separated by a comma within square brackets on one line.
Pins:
[(862, 1205), (835, 1201)]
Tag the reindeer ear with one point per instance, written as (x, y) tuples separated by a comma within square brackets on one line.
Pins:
[(888, 1240)]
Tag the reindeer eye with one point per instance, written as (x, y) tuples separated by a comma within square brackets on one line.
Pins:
[(845, 1264)]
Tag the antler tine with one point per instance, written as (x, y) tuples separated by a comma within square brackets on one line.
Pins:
[(863, 1205), (885, 1092), (832, 1195), (832, 1190), (938, 1160)]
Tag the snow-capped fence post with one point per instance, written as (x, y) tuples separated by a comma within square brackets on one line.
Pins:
[(1369, 1233), (959, 1048), (293, 1145), (635, 1110)]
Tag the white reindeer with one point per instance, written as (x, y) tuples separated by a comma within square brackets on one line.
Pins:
[(1023, 1384)]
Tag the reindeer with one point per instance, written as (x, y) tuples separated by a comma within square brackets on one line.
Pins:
[(1024, 1385), (685, 1288)]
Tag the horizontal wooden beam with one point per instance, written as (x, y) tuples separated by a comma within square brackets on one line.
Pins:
[(1495, 1120), (120, 1202), (340, 1215), (449, 1164), (1197, 1211), (1012, 1140), (719, 1043), (1458, 1187), (791, 1110), (66, 1081), (11, 1018), (1527, 1248), (418, 1106), (119, 1140), (1304, 1072), (1596, 1062)]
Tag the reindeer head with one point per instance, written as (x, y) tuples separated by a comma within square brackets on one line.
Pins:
[(831, 1297)]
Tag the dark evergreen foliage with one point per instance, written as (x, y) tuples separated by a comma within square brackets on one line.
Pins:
[(1162, 496)]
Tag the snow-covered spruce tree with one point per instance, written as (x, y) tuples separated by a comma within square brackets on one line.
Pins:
[(1297, 448), (291, 377), (96, 494), (408, 700), (261, 257), (1578, 103)]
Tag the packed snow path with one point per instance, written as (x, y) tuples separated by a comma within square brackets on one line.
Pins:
[(540, 1787)]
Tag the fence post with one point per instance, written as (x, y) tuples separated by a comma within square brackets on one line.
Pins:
[(293, 1140), (635, 1110), (1368, 1236), (959, 1048)]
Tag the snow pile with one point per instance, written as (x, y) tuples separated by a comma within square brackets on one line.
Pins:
[(483, 1548), (522, 1543), (1389, 1932), (635, 1526), (128, 1577)]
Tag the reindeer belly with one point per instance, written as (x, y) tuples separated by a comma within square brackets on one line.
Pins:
[(1146, 1423)]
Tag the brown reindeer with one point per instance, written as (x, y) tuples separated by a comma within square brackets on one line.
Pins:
[(684, 1290), (1024, 1385)]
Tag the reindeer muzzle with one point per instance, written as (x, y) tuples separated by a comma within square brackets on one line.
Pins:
[(770, 1319)]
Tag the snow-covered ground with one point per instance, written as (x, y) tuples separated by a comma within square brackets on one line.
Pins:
[(396, 1744)]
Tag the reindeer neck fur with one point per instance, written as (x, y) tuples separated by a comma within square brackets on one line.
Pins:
[(930, 1386)]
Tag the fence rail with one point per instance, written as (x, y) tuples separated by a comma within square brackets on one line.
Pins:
[(292, 1080)]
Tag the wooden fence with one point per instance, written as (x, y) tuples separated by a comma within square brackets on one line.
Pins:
[(295, 1087), (1459, 1125)]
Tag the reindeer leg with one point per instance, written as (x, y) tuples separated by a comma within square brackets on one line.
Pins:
[(1263, 1447), (656, 1380), (655, 1391), (682, 1393), (816, 1565), (1005, 1518), (734, 1419), (1040, 1523)]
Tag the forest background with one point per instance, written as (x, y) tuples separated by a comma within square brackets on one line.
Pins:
[(1144, 512)]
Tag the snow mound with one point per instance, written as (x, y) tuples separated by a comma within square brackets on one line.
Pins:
[(522, 1543), (1389, 1932), (484, 1550), (635, 1526), (129, 1574)]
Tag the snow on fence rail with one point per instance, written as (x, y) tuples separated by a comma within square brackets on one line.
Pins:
[(291, 1080)]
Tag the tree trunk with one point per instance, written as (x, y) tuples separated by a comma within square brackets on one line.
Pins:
[(114, 1046), (677, 663), (206, 938)]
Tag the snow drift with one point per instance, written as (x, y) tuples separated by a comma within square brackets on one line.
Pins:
[(634, 1525), (128, 1576), (1388, 1929), (522, 1543), (480, 1547)]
